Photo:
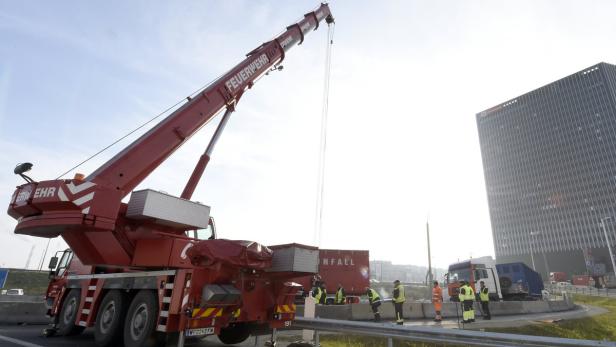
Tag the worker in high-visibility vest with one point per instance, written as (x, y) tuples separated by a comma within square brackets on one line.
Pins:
[(323, 300), (375, 301), (437, 301), (398, 301), (471, 301), (340, 295), (467, 297), (484, 297), (317, 292), (462, 294)]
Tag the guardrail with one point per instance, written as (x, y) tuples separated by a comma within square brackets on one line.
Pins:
[(605, 292), (437, 335)]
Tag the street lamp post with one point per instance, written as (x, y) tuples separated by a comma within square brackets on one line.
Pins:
[(545, 260), (532, 257), (607, 242)]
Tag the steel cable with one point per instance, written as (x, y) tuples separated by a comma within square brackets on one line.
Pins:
[(323, 141), (141, 126)]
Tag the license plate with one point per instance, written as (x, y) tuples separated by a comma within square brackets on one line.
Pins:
[(199, 332)]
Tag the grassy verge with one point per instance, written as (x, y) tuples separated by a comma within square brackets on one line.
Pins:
[(32, 282), (365, 341), (591, 328)]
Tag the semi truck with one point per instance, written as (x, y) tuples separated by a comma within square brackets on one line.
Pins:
[(349, 268), (511, 281), (152, 269)]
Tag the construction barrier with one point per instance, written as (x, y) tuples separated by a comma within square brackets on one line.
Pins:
[(416, 310), (23, 312), (22, 298)]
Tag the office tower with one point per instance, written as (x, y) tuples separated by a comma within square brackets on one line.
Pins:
[(549, 159)]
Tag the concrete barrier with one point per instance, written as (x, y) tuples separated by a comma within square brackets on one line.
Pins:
[(364, 312), (22, 298), (416, 310), (23, 312), (342, 312)]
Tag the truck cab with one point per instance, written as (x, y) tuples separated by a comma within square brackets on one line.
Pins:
[(474, 271)]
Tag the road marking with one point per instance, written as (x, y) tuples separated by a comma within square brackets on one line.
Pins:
[(19, 342)]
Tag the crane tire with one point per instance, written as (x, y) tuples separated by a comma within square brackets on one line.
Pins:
[(235, 333), (68, 314), (141, 319), (110, 319)]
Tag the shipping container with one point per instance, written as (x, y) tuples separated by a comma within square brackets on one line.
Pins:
[(580, 280), (350, 268)]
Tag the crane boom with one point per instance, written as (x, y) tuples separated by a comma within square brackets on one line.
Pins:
[(129, 167)]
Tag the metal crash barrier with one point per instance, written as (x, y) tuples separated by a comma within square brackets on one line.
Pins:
[(437, 335)]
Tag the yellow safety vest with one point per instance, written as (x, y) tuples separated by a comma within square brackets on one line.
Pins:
[(373, 295), (461, 295), (469, 294), (400, 298), (340, 296), (318, 295), (483, 294)]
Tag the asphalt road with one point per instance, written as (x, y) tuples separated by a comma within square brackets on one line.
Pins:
[(31, 335)]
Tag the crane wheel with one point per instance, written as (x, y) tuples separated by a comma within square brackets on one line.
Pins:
[(68, 314), (140, 322), (235, 333), (110, 319)]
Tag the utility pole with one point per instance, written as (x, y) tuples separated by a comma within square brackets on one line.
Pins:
[(29, 257), (429, 276), (44, 255), (532, 257)]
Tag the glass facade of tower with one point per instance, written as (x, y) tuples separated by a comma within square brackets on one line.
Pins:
[(549, 159)]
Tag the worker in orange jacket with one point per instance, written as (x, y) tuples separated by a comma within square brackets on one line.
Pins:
[(437, 301)]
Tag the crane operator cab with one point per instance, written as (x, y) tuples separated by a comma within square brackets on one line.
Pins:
[(208, 233)]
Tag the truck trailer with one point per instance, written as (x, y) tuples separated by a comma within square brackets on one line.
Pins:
[(349, 268), (519, 282)]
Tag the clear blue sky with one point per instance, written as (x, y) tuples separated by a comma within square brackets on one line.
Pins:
[(407, 80)]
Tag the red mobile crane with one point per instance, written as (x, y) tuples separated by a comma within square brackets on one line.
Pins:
[(134, 271)]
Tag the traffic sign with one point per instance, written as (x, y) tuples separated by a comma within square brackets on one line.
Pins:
[(4, 274)]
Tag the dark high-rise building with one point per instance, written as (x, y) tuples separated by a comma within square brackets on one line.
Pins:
[(549, 159)]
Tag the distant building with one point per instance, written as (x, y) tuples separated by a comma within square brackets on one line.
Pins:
[(549, 159), (385, 271)]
